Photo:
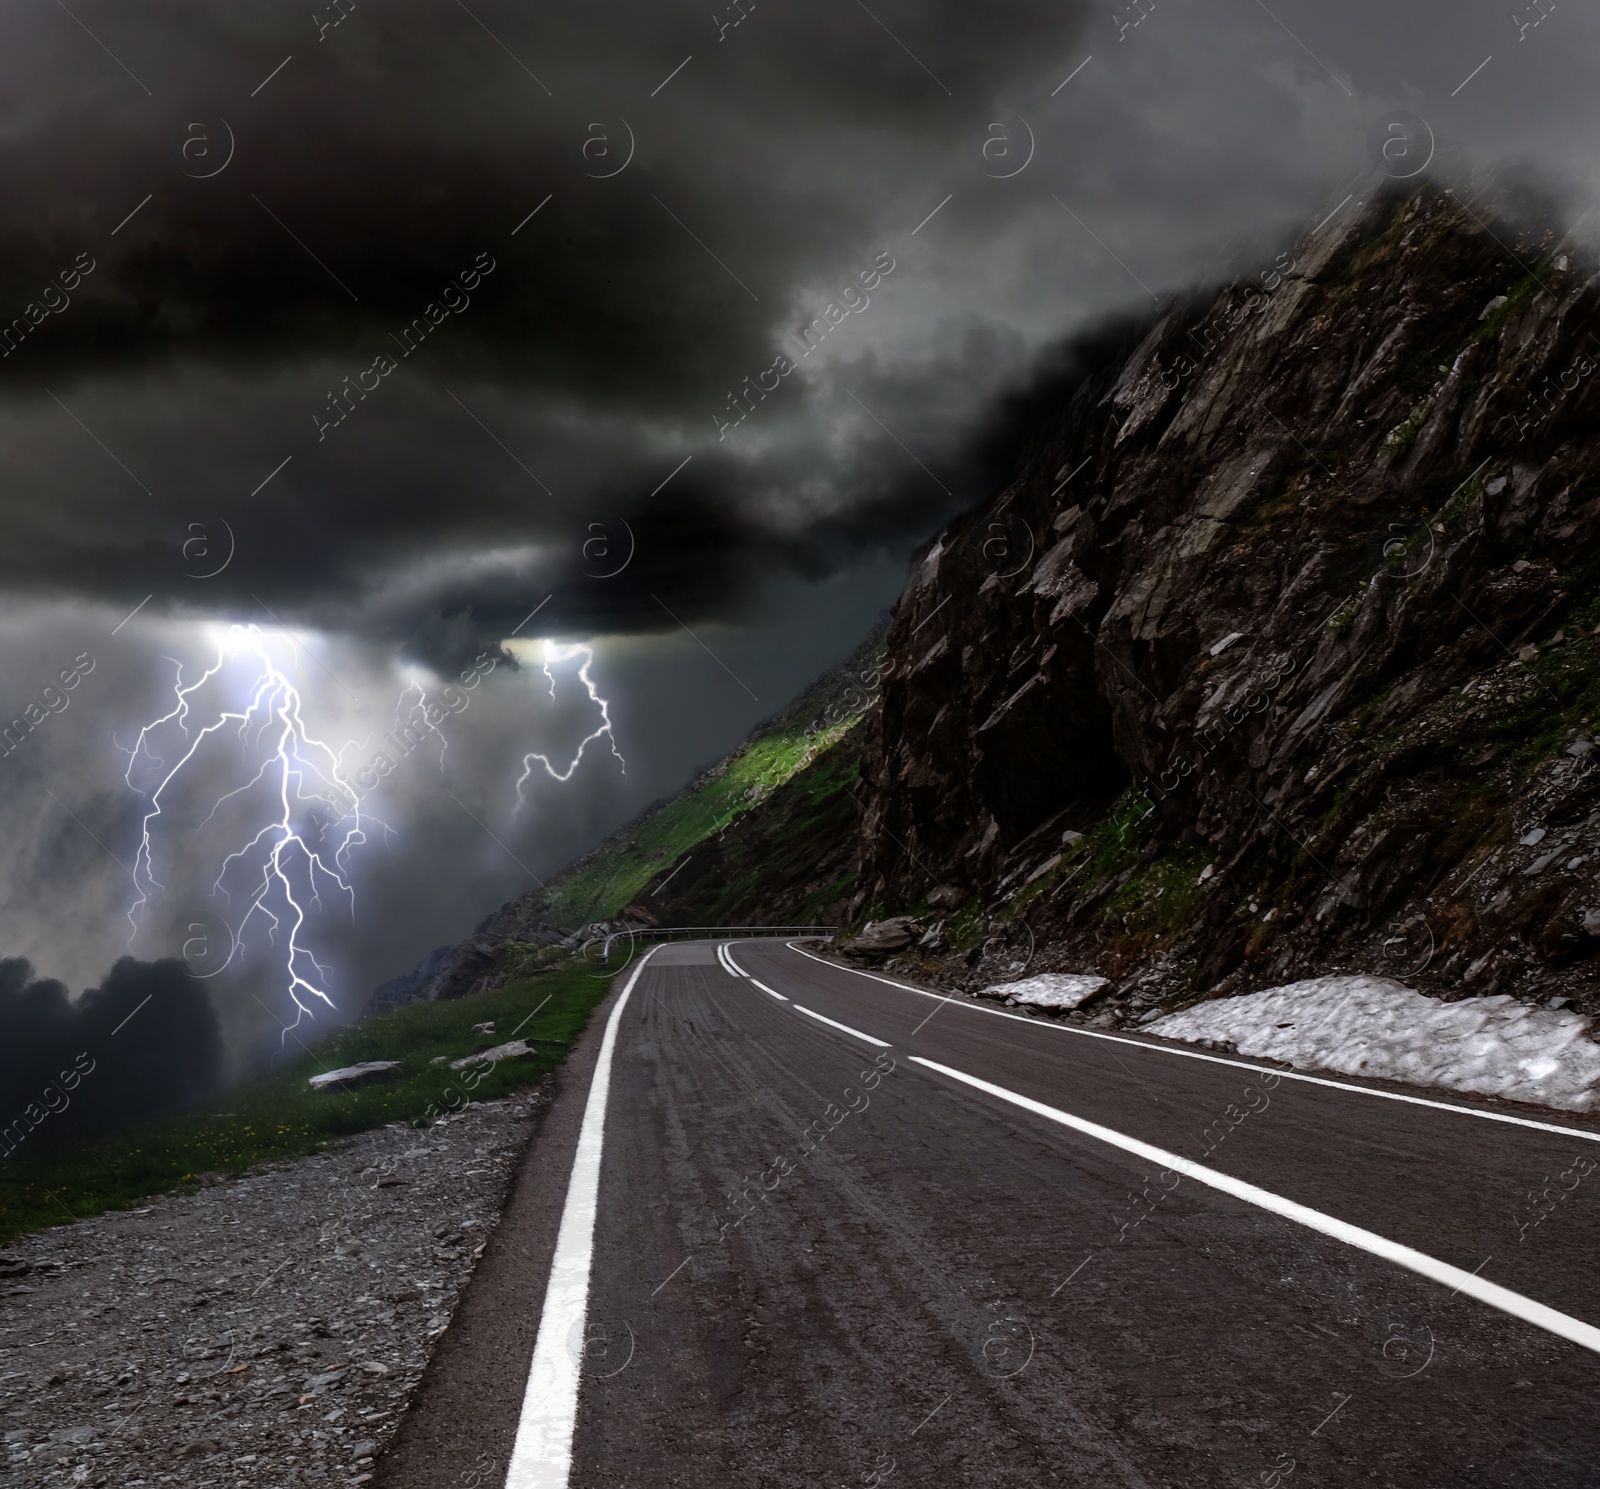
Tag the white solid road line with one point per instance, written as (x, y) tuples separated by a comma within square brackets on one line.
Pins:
[(1518, 1306), (1162, 1049), (542, 1455), (764, 988), (725, 956), (881, 1043)]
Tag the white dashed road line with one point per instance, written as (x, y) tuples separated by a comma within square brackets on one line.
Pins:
[(881, 1043)]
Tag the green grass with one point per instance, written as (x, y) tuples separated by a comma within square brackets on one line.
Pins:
[(600, 887), (1160, 898), (1517, 296), (1114, 843), (277, 1116)]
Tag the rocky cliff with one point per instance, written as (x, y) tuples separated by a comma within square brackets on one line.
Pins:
[(1277, 655)]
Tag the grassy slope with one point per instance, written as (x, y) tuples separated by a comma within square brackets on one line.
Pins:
[(598, 885), (278, 1116), (791, 861), (611, 878)]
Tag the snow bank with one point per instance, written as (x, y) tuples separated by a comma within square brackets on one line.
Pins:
[(1049, 989), (1377, 1027)]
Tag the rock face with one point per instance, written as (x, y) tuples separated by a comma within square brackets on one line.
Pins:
[(1277, 653), (1275, 657)]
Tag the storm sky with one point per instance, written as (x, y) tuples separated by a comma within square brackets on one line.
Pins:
[(412, 333)]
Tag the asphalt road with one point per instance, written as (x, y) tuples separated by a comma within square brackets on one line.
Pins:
[(814, 1259)]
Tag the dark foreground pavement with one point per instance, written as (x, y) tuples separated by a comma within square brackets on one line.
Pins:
[(818, 1262)]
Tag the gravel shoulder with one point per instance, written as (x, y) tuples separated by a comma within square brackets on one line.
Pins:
[(269, 1329)]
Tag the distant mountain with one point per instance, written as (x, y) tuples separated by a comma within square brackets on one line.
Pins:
[(422, 981)]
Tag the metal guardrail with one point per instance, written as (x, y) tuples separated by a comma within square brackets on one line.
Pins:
[(691, 932)]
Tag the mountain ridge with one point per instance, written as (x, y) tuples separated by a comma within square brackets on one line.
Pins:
[(1272, 658)]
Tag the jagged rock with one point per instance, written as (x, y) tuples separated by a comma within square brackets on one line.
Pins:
[(468, 966), (1237, 656), (638, 915), (347, 1077), (596, 930)]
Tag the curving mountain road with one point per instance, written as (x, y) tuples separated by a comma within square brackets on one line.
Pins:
[(792, 1224)]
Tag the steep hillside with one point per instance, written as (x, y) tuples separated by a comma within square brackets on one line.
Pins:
[(1277, 654), (793, 862)]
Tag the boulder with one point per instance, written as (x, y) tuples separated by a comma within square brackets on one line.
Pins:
[(880, 937)]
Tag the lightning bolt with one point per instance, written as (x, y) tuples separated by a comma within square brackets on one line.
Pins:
[(557, 653), (313, 815)]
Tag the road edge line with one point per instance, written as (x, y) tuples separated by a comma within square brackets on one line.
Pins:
[(1540, 1315), (541, 1456)]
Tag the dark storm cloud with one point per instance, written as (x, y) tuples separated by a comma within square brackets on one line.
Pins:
[(573, 233), (144, 1042), (383, 161), (197, 258)]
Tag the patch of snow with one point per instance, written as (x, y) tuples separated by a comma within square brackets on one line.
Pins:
[(1050, 989), (1374, 1026)]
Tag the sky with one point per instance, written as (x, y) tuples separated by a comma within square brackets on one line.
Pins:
[(631, 348)]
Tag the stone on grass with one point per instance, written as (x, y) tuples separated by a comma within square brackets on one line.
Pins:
[(348, 1076), (515, 1049)]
